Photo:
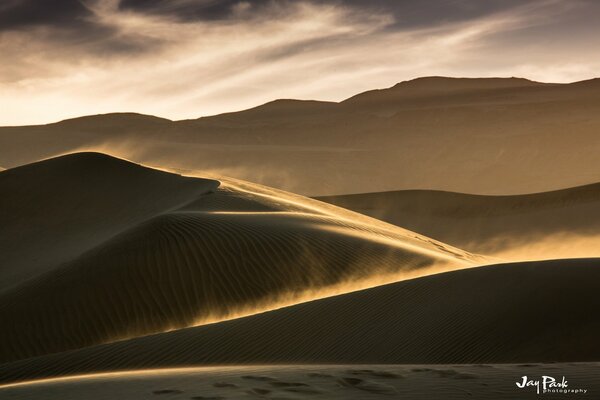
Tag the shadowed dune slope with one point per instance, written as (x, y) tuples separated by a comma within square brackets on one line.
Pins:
[(489, 224), (485, 136), (524, 312), (53, 210), (224, 251)]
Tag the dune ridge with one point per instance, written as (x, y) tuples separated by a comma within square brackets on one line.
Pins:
[(557, 224), (201, 252), (462, 135), (55, 209), (508, 313)]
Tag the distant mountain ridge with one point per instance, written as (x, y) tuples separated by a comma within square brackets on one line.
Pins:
[(435, 85), (427, 86), (469, 135)]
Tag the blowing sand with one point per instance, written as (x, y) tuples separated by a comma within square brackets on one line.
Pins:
[(147, 271), (197, 251), (557, 224), (508, 313)]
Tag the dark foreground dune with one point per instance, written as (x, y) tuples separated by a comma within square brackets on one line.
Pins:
[(327, 382), (563, 223), (113, 250), (56, 209), (535, 312)]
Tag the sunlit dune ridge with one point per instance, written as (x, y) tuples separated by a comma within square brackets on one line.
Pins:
[(507, 313), (306, 381), (549, 225), (136, 251)]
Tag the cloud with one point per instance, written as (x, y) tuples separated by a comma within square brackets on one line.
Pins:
[(184, 58), (406, 12), (19, 14)]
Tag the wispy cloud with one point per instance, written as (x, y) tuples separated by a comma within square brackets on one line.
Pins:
[(159, 58)]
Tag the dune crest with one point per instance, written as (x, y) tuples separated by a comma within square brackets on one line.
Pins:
[(549, 225), (201, 251), (508, 313)]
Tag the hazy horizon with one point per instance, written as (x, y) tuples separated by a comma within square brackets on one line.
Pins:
[(188, 59), (191, 117)]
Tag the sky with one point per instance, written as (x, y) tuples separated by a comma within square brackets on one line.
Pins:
[(182, 59)]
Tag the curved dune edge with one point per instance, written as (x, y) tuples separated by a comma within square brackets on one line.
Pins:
[(554, 224), (482, 381), (507, 313), (53, 210), (213, 254)]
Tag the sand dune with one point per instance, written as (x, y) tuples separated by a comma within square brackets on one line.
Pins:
[(528, 312), (486, 136), (56, 209), (331, 382), (113, 250), (556, 224)]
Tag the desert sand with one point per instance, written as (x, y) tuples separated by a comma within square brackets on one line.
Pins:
[(482, 381), (557, 224), (536, 312), (63, 207), (482, 136), (197, 251), (158, 285), (152, 273)]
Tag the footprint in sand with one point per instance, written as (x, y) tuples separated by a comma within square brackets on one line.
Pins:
[(167, 391), (224, 385), (367, 386), (259, 378), (286, 384), (373, 373), (207, 398), (259, 392), (295, 387), (303, 390), (318, 375)]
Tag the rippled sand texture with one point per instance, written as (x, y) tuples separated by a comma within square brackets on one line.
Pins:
[(522, 312), (558, 224), (483, 381), (113, 250)]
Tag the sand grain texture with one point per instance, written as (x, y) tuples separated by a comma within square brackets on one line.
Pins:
[(343, 382), (508, 313), (557, 224), (136, 251)]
